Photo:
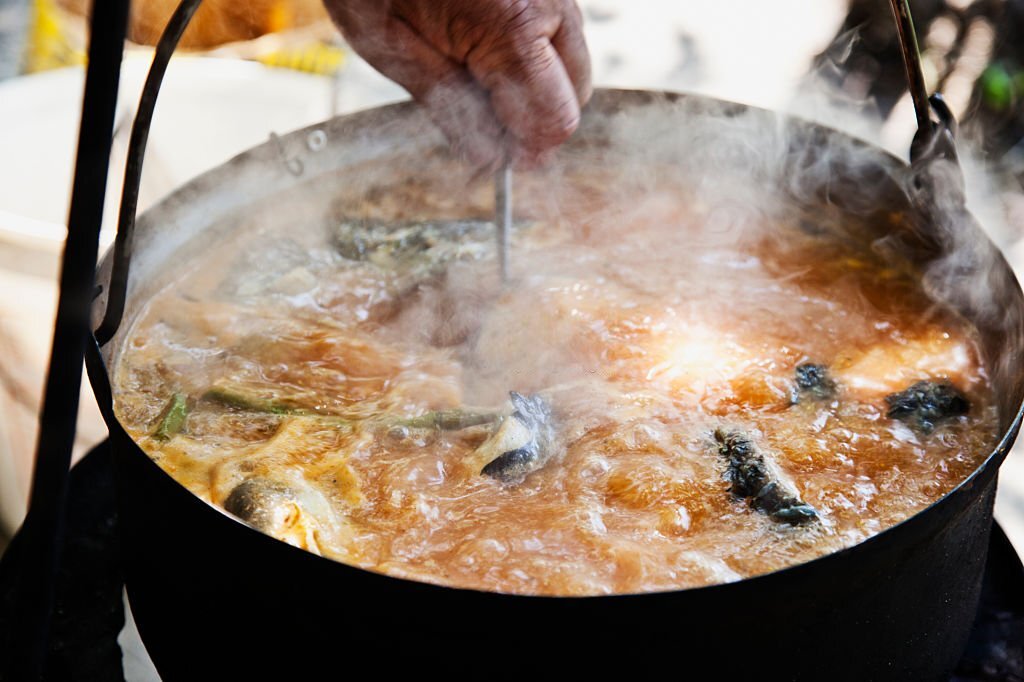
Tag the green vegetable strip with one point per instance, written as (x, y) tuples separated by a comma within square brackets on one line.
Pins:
[(445, 420), (234, 397), (172, 419), (450, 420)]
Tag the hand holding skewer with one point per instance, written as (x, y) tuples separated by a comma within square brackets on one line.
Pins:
[(497, 76)]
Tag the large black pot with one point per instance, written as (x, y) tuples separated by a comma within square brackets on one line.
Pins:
[(215, 599)]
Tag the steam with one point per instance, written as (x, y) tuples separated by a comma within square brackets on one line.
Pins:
[(743, 172), (740, 175), (960, 202)]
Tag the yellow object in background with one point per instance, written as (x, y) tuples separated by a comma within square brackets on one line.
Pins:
[(317, 58), (291, 34), (55, 39)]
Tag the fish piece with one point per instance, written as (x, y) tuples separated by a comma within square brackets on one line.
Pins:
[(172, 419), (752, 477), (266, 505), (813, 382), (523, 442), (927, 403), (412, 255), (293, 512), (420, 246)]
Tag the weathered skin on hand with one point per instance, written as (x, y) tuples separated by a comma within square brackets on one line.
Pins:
[(501, 78)]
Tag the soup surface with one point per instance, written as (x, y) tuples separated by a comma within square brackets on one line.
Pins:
[(667, 394)]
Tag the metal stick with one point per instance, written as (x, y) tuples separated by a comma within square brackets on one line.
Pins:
[(42, 535), (912, 61), (503, 216)]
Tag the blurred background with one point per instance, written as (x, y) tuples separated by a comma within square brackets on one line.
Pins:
[(248, 69)]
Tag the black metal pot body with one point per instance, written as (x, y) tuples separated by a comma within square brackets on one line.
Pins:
[(214, 598)]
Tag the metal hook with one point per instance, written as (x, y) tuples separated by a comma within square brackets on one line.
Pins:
[(938, 139), (936, 125)]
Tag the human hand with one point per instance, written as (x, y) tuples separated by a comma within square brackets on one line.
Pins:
[(504, 79)]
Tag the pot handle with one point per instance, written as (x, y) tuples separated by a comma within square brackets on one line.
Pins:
[(935, 139), (117, 286)]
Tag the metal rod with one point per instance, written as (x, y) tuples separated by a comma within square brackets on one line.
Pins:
[(912, 62), (43, 530), (503, 217)]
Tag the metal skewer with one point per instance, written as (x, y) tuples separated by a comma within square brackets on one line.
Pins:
[(503, 216)]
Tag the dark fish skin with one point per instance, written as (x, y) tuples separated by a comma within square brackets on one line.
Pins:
[(927, 403), (752, 478), (814, 382), (362, 239), (512, 466), (261, 503)]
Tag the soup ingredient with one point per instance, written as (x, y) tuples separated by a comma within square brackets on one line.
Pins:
[(269, 506), (752, 477), (523, 442), (927, 403), (424, 247), (237, 396), (240, 397), (172, 419), (294, 512), (455, 419), (813, 381)]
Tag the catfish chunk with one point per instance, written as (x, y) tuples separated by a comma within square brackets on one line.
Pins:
[(813, 381), (926, 403), (752, 478), (523, 442), (401, 245), (266, 505)]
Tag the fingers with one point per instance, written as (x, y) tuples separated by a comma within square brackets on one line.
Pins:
[(504, 79), (572, 48), (537, 70), (531, 92), (454, 101)]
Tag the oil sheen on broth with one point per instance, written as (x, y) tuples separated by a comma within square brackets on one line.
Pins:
[(666, 395)]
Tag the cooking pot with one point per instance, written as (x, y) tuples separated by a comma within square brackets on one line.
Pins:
[(214, 598)]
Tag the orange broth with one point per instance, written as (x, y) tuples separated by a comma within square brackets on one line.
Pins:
[(644, 326)]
